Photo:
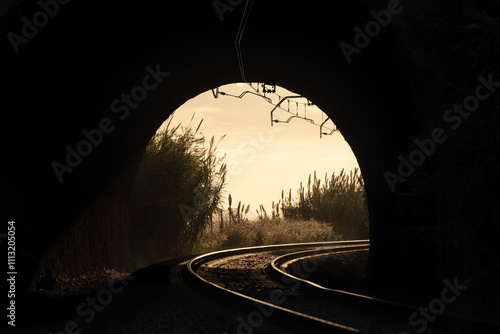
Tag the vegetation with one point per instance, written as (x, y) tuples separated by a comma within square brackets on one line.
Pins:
[(177, 204), (265, 232), (177, 190), (334, 210), (339, 201)]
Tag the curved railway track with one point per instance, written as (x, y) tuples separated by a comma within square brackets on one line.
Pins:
[(259, 282)]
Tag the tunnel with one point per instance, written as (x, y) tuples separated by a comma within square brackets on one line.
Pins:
[(86, 86)]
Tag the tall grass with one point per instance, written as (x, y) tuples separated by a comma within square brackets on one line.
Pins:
[(323, 211), (265, 232), (177, 190), (339, 201)]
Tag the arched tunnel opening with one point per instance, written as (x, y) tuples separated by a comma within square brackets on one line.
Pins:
[(424, 133), (267, 159)]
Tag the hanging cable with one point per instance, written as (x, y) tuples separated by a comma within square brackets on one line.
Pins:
[(239, 36)]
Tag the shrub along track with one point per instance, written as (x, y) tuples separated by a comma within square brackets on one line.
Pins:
[(258, 282)]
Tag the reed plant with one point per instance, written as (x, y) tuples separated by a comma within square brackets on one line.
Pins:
[(339, 201), (177, 190)]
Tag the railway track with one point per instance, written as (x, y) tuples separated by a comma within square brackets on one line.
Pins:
[(259, 282)]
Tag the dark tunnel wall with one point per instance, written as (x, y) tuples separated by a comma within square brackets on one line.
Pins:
[(65, 80)]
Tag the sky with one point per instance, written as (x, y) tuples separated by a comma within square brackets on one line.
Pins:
[(262, 159)]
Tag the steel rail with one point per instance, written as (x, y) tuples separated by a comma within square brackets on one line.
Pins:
[(395, 309), (283, 315)]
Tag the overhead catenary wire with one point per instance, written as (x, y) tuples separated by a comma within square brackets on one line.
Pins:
[(239, 36), (305, 104), (255, 91), (237, 42)]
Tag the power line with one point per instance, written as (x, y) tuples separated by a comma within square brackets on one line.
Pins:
[(272, 90), (239, 36), (303, 105)]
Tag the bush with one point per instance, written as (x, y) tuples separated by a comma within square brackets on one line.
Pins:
[(177, 189), (265, 232)]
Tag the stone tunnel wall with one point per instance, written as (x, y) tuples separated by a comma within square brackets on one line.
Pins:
[(440, 222)]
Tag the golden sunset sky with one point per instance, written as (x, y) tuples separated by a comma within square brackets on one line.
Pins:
[(263, 160)]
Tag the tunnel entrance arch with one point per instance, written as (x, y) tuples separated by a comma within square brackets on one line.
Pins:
[(370, 96), (273, 140)]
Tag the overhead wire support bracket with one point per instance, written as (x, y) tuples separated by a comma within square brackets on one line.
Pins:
[(215, 93), (292, 117), (268, 90), (278, 105), (321, 133)]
